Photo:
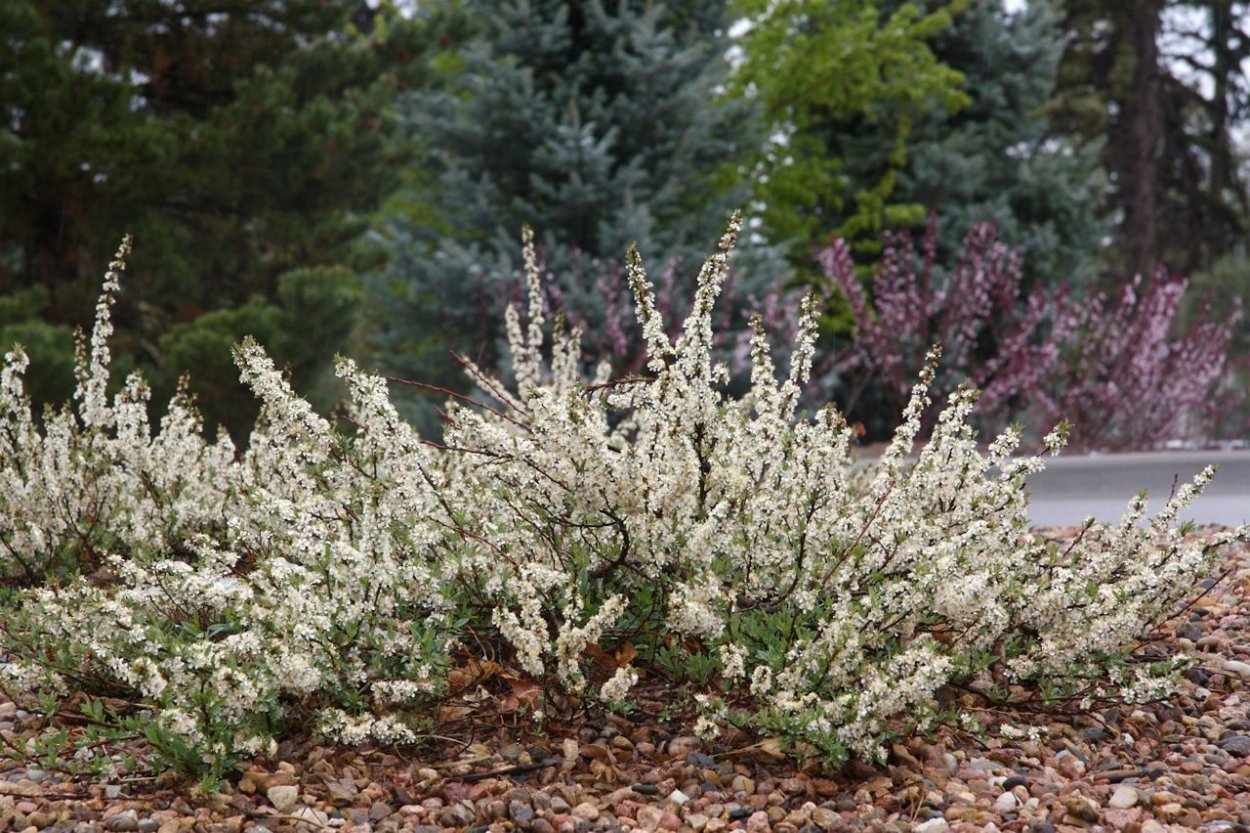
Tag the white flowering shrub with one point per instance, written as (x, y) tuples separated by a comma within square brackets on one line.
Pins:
[(327, 578)]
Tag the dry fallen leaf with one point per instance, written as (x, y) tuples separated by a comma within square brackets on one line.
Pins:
[(524, 692), (448, 714), (626, 654), (473, 672), (601, 657)]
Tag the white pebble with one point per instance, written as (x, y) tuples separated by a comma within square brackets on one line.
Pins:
[(283, 798), (1239, 668), (313, 817), (1123, 798), (932, 826)]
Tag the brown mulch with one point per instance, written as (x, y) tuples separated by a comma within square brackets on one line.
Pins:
[(1181, 765)]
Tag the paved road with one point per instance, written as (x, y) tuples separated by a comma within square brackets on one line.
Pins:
[(1074, 487)]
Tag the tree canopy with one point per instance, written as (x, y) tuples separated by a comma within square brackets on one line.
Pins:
[(237, 140)]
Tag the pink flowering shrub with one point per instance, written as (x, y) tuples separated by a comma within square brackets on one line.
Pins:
[(1125, 378), (1111, 364), (329, 579)]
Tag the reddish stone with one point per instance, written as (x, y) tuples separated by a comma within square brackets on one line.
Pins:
[(1121, 819)]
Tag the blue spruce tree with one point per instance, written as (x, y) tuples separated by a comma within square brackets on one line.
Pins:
[(598, 124), (997, 159)]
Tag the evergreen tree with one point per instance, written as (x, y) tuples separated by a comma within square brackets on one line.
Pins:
[(987, 155), (996, 160), (1168, 117), (828, 72), (596, 124), (1204, 184), (237, 139)]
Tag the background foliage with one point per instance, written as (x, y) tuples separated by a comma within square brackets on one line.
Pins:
[(237, 140), (341, 176)]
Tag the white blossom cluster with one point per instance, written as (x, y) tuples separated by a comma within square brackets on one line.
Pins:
[(331, 570)]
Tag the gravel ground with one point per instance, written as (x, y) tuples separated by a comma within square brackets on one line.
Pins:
[(1166, 767)]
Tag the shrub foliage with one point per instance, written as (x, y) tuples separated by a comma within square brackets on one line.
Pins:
[(215, 599), (1115, 364)]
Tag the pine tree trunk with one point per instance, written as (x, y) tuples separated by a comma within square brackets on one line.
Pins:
[(1139, 126)]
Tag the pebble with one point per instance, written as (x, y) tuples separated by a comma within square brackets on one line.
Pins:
[(1006, 803), (586, 811), (283, 798), (825, 819), (1083, 808), (1236, 744), (520, 813), (683, 746), (126, 821), (1123, 798), (316, 818), (1241, 669), (1189, 631), (649, 817), (460, 814), (932, 826)]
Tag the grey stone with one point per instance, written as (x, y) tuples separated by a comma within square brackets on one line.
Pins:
[(459, 814), (314, 817), (126, 821), (520, 813), (1190, 631)]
